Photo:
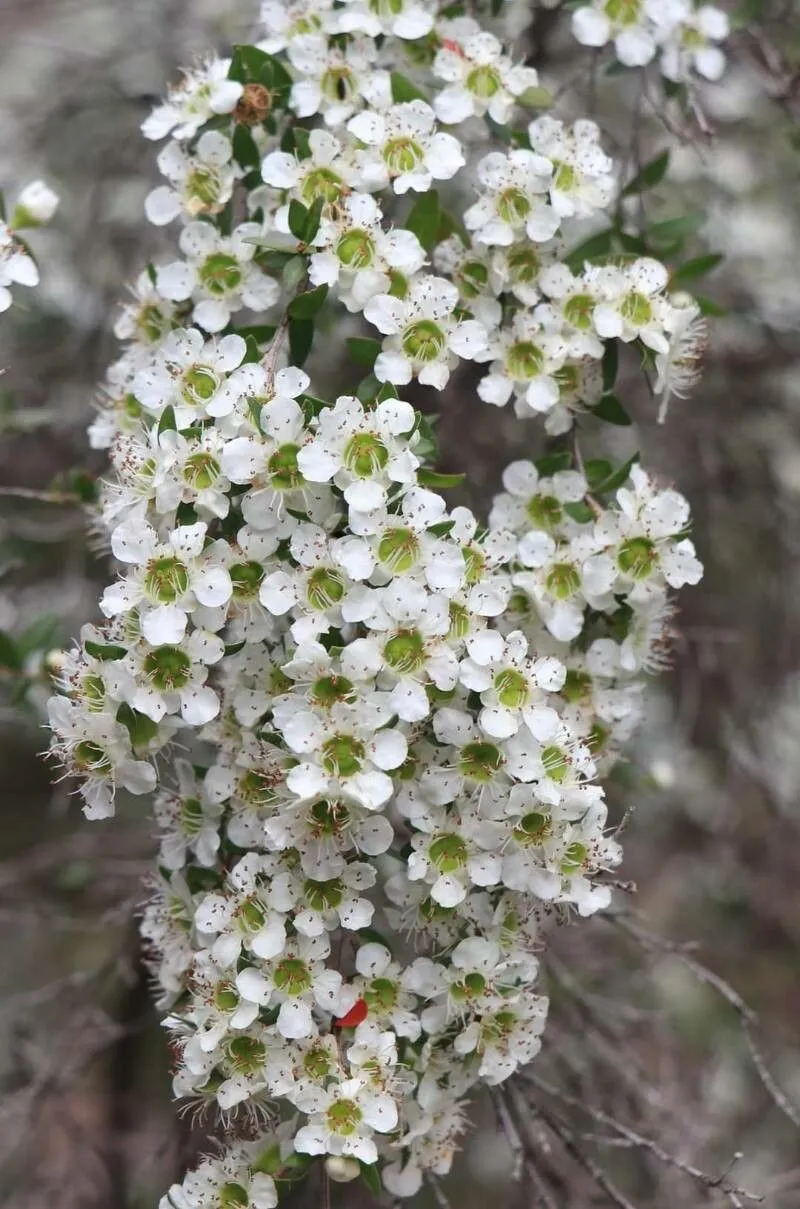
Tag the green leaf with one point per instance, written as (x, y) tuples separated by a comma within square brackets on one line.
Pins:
[(262, 333), (610, 365), (711, 308), (617, 478), (579, 512), (373, 936), (233, 648), (302, 142), (677, 228), (40, 635), (200, 881), (696, 268), (298, 216), (424, 218), (551, 463), (404, 90), (649, 176), (439, 482), (592, 248), (611, 410), (313, 219), (371, 1177), (306, 305), (9, 655), (367, 389), (245, 151), (301, 338), (106, 654), (441, 528), (363, 350), (597, 471), (140, 728), (167, 422)]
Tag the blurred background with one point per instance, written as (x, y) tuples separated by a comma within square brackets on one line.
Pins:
[(86, 1119)]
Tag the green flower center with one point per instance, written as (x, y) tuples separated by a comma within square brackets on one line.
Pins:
[(343, 756), (192, 816), (328, 819), (226, 998), (524, 361), (405, 653), (168, 667), (323, 896), (624, 12), (474, 563), (91, 758), (511, 688), (424, 341), (513, 206), (233, 1196), (556, 763), (246, 579), (484, 82), (283, 470), (472, 278), (344, 1117), (247, 1056), (636, 309), (386, 8), (339, 83), (524, 265), (199, 384), (471, 987), (579, 310), (93, 692), (577, 686), (152, 322), (402, 155), (562, 581), (637, 557), (201, 471), (544, 512), (293, 977), (356, 250), (365, 455), (329, 690), (325, 588), (448, 853), (220, 274), (574, 858), (564, 176), (399, 550), (257, 788), (460, 621), (203, 187), (317, 1063), (380, 996), (532, 829), (166, 579), (480, 762), (322, 182)]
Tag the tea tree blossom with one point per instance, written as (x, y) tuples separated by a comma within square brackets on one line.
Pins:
[(353, 702)]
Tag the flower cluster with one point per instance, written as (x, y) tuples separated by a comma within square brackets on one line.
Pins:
[(391, 718), (35, 206), (683, 34)]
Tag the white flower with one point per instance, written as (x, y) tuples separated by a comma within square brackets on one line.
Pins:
[(527, 360), (285, 21), (583, 180), (481, 78), (358, 256), (409, 19), (515, 186), (218, 275), (36, 205), (326, 172), (425, 335), (205, 91), (403, 146), (16, 266), (361, 451), (343, 1119), (198, 377), (331, 78), (200, 183), (686, 37), (627, 24), (632, 303)]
